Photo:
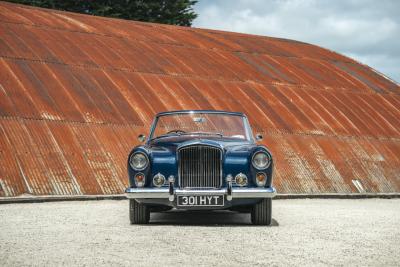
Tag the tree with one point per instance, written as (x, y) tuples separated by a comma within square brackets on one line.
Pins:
[(176, 12)]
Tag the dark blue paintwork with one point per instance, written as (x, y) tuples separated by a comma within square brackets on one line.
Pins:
[(237, 156)]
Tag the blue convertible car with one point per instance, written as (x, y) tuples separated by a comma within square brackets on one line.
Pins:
[(199, 159)]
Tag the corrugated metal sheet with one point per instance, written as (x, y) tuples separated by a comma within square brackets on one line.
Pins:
[(76, 90)]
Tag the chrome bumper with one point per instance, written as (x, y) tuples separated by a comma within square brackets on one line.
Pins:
[(136, 193)]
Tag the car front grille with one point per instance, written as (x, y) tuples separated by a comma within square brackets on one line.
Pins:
[(200, 167)]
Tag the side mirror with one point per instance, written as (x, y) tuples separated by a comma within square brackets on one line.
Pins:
[(141, 138), (259, 137)]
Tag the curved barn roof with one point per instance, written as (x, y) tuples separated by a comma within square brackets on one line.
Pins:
[(76, 90)]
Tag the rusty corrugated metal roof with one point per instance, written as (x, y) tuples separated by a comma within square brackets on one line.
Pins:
[(76, 90)]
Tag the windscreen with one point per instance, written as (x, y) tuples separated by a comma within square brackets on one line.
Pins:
[(218, 124)]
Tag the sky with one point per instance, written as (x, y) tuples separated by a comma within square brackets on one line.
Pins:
[(365, 30)]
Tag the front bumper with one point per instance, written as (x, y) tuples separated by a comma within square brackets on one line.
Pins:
[(166, 193)]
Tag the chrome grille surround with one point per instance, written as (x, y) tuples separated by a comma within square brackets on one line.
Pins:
[(200, 166)]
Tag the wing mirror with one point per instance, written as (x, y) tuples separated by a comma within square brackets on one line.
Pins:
[(259, 137), (141, 138)]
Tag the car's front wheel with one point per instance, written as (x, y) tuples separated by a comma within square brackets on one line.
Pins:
[(138, 213), (261, 213)]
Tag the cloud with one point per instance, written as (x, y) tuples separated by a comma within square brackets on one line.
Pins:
[(366, 30)]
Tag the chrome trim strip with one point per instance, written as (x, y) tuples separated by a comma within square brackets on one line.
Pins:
[(147, 193), (193, 111), (268, 192)]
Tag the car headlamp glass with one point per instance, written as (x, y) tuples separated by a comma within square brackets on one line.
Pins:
[(158, 180), (138, 161), (241, 179), (261, 160)]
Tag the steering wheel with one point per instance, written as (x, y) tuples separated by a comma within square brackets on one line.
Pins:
[(176, 131)]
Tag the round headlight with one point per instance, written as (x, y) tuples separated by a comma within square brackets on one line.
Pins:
[(241, 179), (158, 180), (261, 160), (138, 161)]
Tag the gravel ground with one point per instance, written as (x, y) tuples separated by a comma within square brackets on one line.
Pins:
[(305, 232)]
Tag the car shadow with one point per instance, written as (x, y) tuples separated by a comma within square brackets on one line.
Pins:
[(203, 218)]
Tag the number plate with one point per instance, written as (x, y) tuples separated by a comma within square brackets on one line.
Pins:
[(201, 201)]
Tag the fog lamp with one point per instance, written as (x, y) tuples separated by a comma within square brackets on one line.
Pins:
[(139, 179), (158, 180), (261, 179), (241, 179)]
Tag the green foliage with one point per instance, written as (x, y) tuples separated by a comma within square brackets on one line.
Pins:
[(176, 12)]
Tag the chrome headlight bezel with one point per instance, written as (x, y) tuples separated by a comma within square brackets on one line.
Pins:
[(241, 177), (258, 167), (156, 177), (136, 168)]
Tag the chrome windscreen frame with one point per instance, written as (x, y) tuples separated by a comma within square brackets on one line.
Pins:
[(249, 133)]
